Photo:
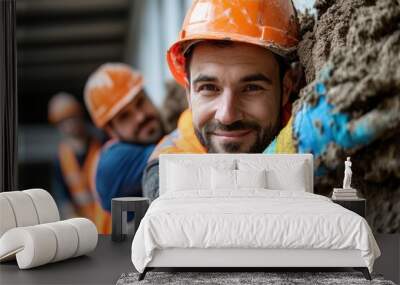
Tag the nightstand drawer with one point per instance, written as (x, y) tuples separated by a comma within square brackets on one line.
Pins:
[(357, 206)]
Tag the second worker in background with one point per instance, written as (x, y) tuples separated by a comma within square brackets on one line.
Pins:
[(118, 104)]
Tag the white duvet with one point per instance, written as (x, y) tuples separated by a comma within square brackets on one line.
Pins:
[(253, 218)]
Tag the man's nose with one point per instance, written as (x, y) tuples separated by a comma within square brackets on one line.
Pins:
[(227, 108), (140, 116)]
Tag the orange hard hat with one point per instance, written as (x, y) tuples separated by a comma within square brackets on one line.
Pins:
[(62, 106), (271, 24), (110, 88)]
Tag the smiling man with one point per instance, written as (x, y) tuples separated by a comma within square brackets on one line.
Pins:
[(118, 104), (233, 57), (235, 96)]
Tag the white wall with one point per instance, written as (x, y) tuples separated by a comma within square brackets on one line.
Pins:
[(303, 4), (154, 26)]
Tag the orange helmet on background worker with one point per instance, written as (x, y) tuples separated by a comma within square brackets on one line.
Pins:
[(117, 102), (62, 106), (269, 24), (65, 112)]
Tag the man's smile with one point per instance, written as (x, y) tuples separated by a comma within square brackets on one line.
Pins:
[(231, 136)]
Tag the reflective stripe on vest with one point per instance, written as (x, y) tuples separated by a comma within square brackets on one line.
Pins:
[(77, 177), (102, 217)]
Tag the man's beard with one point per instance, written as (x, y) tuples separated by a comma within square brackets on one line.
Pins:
[(152, 138), (157, 133), (264, 136)]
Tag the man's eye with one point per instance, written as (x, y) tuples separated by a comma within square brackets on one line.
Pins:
[(208, 87), (252, 87), (124, 116)]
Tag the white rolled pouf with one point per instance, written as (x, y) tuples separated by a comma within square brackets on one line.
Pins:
[(7, 218), (23, 208), (33, 246), (87, 234), (45, 205), (67, 239), (40, 244)]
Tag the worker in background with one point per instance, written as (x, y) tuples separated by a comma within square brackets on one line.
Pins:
[(77, 154), (118, 104)]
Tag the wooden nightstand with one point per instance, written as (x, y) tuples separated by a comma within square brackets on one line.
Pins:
[(358, 206)]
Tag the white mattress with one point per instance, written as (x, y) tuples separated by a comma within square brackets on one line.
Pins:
[(256, 218)]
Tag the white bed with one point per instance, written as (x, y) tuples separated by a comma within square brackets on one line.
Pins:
[(201, 219)]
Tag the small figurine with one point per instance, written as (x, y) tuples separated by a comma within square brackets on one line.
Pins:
[(347, 192), (347, 174)]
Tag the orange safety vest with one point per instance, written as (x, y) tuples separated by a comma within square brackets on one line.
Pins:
[(182, 140), (102, 217), (79, 180)]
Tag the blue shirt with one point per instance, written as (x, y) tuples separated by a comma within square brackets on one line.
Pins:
[(119, 171)]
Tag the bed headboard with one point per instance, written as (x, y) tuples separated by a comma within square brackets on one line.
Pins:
[(209, 159)]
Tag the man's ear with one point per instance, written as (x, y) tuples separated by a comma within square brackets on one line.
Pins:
[(292, 81), (110, 131), (287, 87), (188, 96)]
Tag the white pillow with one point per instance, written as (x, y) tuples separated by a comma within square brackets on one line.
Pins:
[(183, 177), (251, 178), (185, 174), (293, 179), (223, 179), (227, 179), (280, 174)]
